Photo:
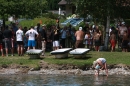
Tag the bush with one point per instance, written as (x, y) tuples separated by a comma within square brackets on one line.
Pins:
[(50, 15), (47, 21)]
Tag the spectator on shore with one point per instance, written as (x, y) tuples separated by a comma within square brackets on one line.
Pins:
[(73, 38), (87, 39), (14, 27), (49, 40), (19, 39), (43, 38), (1, 43), (7, 39), (55, 37), (112, 40), (63, 33), (68, 42), (100, 64), (13, 40), (97, 39), (125, 41), (121, 30), (79, 38), (31, 37)]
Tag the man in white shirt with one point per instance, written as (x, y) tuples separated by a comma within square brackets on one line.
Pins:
[(31, 37), (19, 39)]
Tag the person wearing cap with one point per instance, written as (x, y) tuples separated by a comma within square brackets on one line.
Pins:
[(100, 64), (121, 30), (79, 38), (43, 38)]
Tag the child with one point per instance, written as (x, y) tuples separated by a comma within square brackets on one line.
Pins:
[(100, 64), (112, 41), (87, 39)]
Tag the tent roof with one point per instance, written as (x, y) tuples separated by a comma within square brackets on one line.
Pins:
[(62, 2)]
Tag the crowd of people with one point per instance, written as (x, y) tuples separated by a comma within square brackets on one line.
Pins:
[(20, 39)]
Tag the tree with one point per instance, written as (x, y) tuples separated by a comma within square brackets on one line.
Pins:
[(25, 8), (104, 11), (53, 4)]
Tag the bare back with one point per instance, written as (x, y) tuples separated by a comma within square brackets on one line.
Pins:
[(79, 35), (113, 37), (125, 36)]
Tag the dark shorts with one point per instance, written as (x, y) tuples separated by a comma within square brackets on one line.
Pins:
[(7, 43), (20, 42), (97, 43), (125, 44), (79, 44)]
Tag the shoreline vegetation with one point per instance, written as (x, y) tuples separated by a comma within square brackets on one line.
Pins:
[(118, 63)]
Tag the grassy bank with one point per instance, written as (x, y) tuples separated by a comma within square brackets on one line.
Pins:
[(111, 57)]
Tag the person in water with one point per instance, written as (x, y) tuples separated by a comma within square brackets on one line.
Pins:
[(100, 64)]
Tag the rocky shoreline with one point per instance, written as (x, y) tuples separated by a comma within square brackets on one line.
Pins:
[(46, 68), (115, 71)]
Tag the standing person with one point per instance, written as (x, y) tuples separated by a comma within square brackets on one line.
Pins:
[(1, 43), (73, 38), (79, 38), (112, 40), (55, 37), (49, 40), (7, 39), (13, 40), (87, 39), (97, 39), (25, 40), (100, 64), (31, 37), (63, 33), (125, 41), (19, 39), (69, 30), (121, 30), (43, 38)]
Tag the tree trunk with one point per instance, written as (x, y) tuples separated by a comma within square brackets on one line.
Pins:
[(107, 33)]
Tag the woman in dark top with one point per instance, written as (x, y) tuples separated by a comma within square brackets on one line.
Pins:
[(55, 37)]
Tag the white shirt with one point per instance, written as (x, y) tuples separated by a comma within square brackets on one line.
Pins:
[(103, 60), (31, 33), (19, 35)]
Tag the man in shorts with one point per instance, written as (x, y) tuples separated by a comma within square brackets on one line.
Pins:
[(1, 43), (19, 39), (7, 39), (31, 37), (79, 38)]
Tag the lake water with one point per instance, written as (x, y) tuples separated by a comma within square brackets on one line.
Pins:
[(63, 80)]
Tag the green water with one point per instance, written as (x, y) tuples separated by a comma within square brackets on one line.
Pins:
[(63, 80)]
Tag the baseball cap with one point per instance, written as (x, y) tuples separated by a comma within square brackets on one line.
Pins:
[(123, 23), (80, 28)]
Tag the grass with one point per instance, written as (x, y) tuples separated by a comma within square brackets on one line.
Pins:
[(111, 57)]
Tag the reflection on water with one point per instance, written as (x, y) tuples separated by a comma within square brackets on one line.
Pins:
[(63, 80)]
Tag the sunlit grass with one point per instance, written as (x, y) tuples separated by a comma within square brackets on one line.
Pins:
[(111, 57)]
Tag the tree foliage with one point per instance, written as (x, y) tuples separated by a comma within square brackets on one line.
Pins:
[(26, 8), (102, 8), (53, 4)]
